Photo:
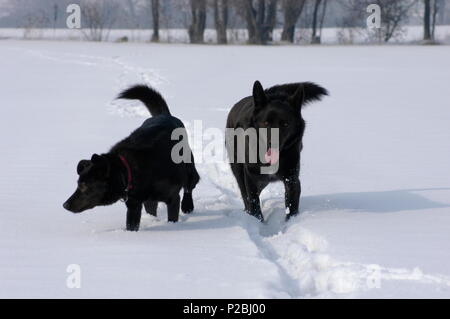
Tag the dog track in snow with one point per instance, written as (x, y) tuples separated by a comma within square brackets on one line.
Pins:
[(131, 74), (128, 74)]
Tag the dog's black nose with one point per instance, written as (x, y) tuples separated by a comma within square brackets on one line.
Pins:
[(66, 205)]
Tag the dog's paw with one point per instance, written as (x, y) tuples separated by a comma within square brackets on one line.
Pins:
[(187, 205), (132, 228), (290, 216)]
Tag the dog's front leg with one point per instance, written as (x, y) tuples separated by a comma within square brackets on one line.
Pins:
[(254, 206), (133, 214), (173, 209), (292, 195)]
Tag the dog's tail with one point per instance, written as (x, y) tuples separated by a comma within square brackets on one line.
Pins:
[(151, 98), (313, 92)]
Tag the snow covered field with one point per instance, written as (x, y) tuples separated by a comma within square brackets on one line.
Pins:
[(375, 204)]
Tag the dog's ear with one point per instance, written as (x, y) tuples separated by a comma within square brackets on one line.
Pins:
[(96, 158), (102, 163), (298, 98), (83, 165), (259, 96)]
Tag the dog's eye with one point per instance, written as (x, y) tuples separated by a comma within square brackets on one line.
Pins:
[(265, 124), (284, 124), (82, 187)]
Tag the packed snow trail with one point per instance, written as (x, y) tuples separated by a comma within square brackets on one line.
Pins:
[(372, 225), (301, 256)]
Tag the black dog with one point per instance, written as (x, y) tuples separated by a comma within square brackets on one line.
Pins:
[(276, 108), (139, 169)]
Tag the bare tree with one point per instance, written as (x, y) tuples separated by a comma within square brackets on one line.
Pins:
[(34, 24), (322, 18), (221, 12), (198, 22), (271, 20), (261, 19), (349, 23), (292, 10), (393, 15), (99, 17), (130, 16), (55, 16), (155, 15), (236, 19), (314, 37), (131, 8), (434, 14), (429, 18)]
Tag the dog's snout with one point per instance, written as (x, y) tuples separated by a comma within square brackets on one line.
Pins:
[(66, 205), (69, 206)]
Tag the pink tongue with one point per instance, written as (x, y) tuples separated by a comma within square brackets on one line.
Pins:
[(272, 156)]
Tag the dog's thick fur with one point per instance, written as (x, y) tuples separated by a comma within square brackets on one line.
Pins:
[(277, 107), (103, 179)]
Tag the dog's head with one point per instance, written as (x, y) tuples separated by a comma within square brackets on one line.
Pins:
[(93, 185), (278, 112)]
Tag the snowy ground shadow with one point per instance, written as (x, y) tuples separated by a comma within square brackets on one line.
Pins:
[(213, 220), (377, 202), (273, 209)]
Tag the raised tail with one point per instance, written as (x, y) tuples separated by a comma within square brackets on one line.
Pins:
[(151, 98), (313, 92)]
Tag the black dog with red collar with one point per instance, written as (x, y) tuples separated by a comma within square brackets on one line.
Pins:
[(139, 169)]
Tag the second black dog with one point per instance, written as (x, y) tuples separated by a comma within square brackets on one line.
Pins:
[(139, 169), (276, 108)]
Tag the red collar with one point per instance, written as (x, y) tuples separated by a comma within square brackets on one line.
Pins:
[(129, 177)]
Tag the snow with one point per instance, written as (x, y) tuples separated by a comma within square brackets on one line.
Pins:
[(375, 219), (329, 36)]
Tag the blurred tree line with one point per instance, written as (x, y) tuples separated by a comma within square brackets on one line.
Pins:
[(298, 20)]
